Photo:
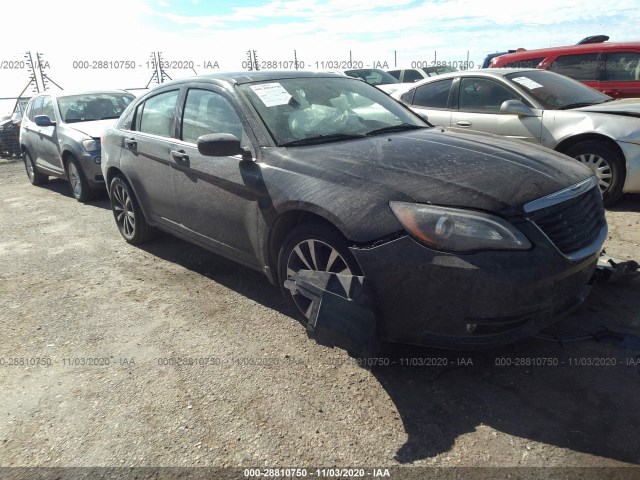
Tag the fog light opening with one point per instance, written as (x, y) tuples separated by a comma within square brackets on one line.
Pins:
[(97, 160)]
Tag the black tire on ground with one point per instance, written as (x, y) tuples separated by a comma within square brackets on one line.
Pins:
[(80, 188), (330, 253), (35, 176), (607, 164), (127, 212)]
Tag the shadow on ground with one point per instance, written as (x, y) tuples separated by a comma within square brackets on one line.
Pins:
[(580, 395)]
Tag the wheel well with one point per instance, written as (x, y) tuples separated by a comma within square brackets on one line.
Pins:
[(65, 158), (111, 172), (567, 143), (284, 224)]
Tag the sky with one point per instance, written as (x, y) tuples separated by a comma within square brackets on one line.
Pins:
[(199, 37)]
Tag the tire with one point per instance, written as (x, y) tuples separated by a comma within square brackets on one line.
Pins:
[(127, 212), (35, 177), (325, 240), (80, 188), (606, 163)]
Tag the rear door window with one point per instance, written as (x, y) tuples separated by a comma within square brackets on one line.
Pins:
[(395, 74), (156, 114), (581, 67), (433, 95), (621, 67)]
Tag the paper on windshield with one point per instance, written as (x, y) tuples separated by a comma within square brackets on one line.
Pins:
[(272, 94), (527, 82)]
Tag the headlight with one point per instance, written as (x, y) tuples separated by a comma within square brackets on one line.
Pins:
[(91, 145), (458, 230)]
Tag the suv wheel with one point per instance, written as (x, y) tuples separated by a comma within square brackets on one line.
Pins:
[(606, 163), (35, 177), (127, 212), (80, 188)]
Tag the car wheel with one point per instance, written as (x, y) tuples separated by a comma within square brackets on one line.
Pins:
[(317, 247), (127, 212), (35, 177), (80, 188), (606, 163)]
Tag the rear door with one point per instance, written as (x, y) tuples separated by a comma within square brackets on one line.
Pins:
[(432, 101), (217, 197), (146, 156)]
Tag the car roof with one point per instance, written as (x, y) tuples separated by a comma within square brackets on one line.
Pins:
[(569, 49), (257, 76), (71, 93), (484, 72)]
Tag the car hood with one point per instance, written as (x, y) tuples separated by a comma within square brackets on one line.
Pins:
[(93, 128), (623, 106), (442, 167)]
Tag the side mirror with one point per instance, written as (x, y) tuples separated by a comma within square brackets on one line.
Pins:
[(220, 145), (516, 107), (43, 121), (423, 116)]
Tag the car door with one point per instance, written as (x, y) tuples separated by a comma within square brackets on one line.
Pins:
[(478, 108), (217, 197), (620, 74), (48, 149), (30, 136), (432, 101), (146, 156)]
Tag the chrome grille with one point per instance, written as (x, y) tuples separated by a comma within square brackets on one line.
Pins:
[(573, 224)]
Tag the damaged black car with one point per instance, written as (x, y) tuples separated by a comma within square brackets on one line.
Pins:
[(329, 186)]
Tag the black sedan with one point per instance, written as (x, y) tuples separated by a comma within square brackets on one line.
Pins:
[(290, 172)]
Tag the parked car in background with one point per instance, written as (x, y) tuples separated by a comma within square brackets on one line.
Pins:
[(411, 75), (487, 60), (540, 107), (376, 77), (10, 130), (612, 68), (465, 240), (60, 137)]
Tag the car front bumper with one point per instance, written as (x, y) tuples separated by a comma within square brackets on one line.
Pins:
[(480, 300), (90, 162), (631, 153)]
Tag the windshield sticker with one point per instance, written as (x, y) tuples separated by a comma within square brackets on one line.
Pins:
[(527, 82), (272, 94)]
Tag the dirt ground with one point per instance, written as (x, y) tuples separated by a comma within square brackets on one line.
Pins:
[(93, 327)]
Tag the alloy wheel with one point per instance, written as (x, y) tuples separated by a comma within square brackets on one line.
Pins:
[(123, 210), (74, 179), (318, 256)]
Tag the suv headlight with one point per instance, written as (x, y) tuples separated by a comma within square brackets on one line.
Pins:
[(458, 230), (91, 145)]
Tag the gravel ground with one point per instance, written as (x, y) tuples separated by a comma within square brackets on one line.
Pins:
[(73, 291)]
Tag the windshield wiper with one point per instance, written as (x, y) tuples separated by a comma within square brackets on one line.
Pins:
[(394, 128), (329, 137), (575, 105)]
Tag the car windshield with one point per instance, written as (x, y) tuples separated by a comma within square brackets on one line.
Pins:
[(93, 106), (303, 111), (556, 92), (373, 76)]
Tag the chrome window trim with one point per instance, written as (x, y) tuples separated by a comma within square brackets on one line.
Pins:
[(561, 195)]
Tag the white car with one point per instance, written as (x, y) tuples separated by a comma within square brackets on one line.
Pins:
[(541, 107)]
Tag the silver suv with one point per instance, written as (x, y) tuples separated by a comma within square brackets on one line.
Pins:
[(60, 137)]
